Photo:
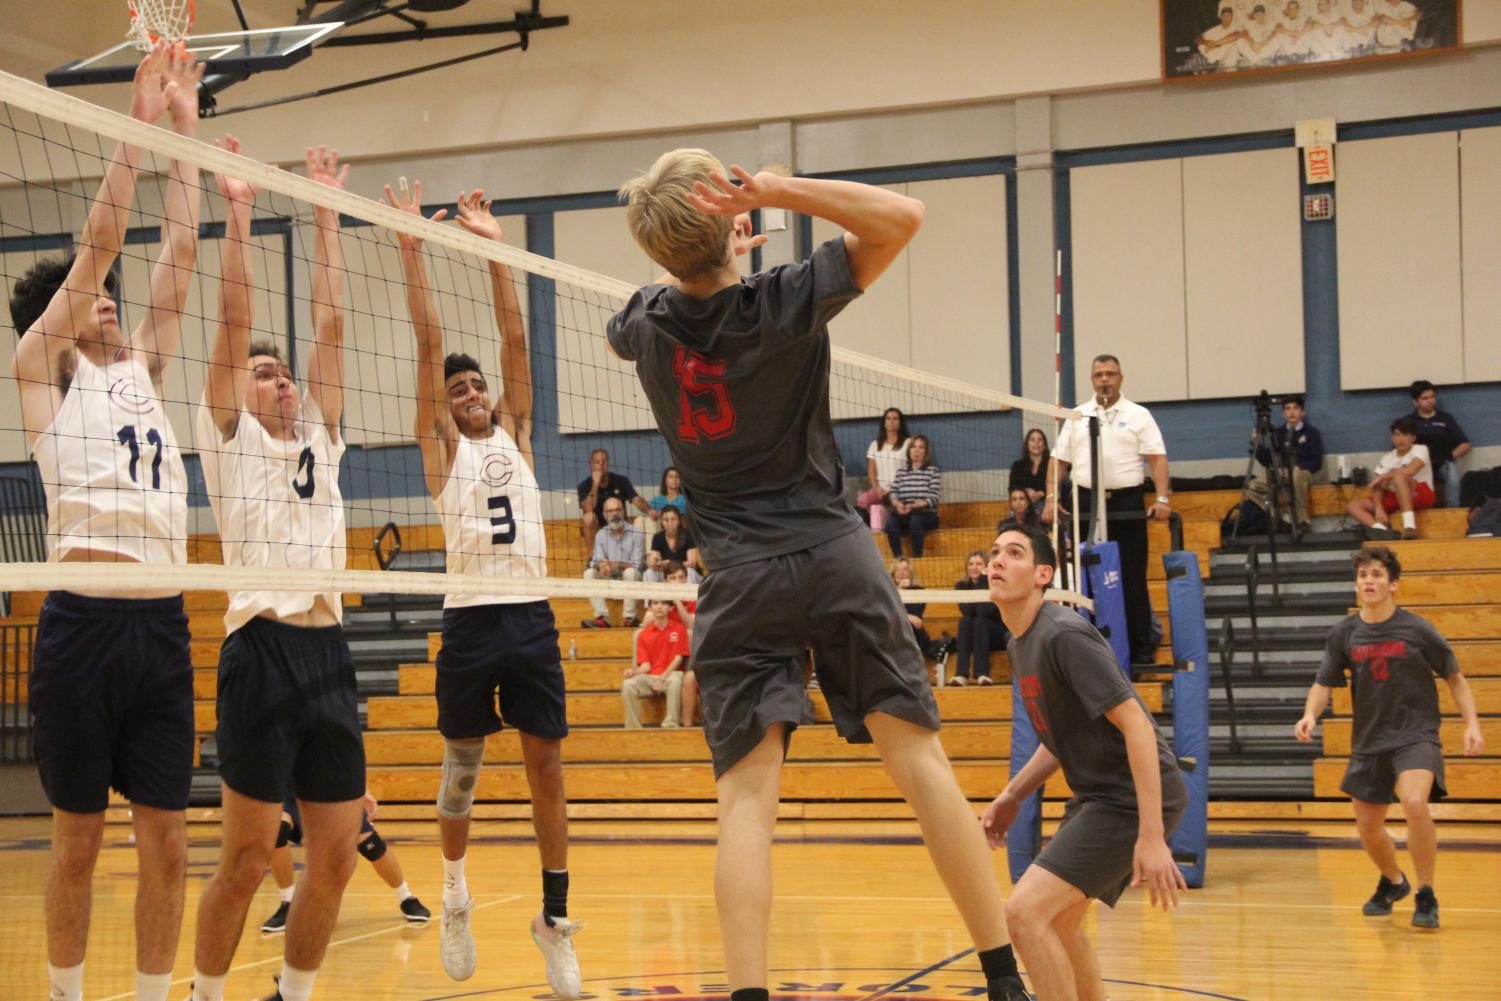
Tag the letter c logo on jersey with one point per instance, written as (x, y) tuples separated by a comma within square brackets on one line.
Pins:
[(126, 394), (704, 408), (496, 471)]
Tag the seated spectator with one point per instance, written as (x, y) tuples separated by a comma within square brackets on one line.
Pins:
[(683, 613), (1404, 479), (661, 649), (619, 554), (599, 486), (1019, 511), (672, 544), (670, 495), (1031, 471), (1308, 456), (980, 627), (1442, 435), (914, 498), (906, 580), (882, 460)]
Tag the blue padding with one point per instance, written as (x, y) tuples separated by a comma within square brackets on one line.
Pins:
[(1185, 602), (1024, 840), (1102, 577)]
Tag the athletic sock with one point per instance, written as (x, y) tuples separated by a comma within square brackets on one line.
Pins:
[(295, 984), (207, 988), (152, 986), (554, 895), (751, 994), (402, 893), (1409, 520), (67, 982), (286, 894), (455, 886), (998, 962)]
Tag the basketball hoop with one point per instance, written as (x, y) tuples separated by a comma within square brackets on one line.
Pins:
[(153, 20)]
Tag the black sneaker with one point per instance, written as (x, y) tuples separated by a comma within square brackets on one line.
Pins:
[(1425, 913), (277, 923), (1387, 893), (632, 622), (597, 623), (1007, 989), (415, 912)]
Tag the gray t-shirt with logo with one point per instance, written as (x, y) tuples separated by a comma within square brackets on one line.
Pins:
[(739, 386), (1391, 666), (1069, 679)]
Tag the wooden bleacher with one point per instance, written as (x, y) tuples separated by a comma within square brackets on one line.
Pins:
[(1455, 583)]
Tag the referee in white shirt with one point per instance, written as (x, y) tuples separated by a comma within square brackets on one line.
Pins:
[(1128, 434)]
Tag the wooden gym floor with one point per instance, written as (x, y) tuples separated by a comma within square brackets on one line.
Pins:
[(859, 914)]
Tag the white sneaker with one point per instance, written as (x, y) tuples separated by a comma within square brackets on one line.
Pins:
[(456, 941), (556, 943)]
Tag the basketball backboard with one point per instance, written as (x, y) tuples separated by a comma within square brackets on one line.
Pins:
[(227, 52)]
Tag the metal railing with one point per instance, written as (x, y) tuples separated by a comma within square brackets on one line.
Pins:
[(1227, 661), (393, 531), (16, 645)]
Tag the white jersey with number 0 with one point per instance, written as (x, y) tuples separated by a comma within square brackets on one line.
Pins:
[(277, 504), (111, 469), (491, 508)]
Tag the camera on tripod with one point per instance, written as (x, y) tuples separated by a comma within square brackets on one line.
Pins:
[(1275, 492)]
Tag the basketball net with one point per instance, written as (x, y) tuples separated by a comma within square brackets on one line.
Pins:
[(154, 20)]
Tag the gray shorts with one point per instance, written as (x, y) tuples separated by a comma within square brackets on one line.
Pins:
[(755, 622), (1095, 847), (1372, 778)]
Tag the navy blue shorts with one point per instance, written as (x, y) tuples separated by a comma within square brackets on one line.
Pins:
[(112, 702), (509, 652), (288, 714), (289, 807)]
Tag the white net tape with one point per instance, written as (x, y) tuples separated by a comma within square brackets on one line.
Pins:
[(150, 20)]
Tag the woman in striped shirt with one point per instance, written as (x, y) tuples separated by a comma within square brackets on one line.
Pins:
[(914, 497)]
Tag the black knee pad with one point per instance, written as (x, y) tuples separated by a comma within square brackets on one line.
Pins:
[(373, 847), (283, 834)]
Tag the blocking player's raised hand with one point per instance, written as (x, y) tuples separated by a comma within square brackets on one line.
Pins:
[(323, 166), (475, 216), (410, 200), (1152, 863), (152, 89), (183, 72), (240, 194), (998, 818)]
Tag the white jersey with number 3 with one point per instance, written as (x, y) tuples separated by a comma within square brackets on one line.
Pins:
[(111, 469), (277, 504), (491, 508)]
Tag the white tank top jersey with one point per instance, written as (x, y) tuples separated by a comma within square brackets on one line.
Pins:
[(278, 505), (491, 508), (111, 469)]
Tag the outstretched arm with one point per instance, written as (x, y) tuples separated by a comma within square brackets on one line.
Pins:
[(514, 408), (325, 379), (155, 341), (437, 435), (878, 223), (224, 388), (56, 331)]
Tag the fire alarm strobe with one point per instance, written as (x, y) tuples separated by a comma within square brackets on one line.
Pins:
[(1317, 208)]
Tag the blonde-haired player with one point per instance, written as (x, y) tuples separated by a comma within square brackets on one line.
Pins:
[(737, 373)]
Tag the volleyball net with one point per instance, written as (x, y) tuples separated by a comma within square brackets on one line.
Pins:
[(347, 304)]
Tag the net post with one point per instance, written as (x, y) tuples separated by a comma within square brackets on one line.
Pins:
[(1097, 529)]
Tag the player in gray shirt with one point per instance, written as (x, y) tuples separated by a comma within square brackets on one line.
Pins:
[(1128, 794), (1392, 657), (737, 373)]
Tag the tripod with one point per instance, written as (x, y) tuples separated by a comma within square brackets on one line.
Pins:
[(1279, 474)]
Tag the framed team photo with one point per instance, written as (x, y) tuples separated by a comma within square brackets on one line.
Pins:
[(1217, 38)]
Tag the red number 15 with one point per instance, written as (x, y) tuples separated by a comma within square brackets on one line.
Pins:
[(704, 406)]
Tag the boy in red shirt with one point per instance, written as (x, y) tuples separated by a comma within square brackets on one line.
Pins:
[(661, 649)]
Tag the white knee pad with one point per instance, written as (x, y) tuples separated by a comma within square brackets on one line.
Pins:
[(461, 764)]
